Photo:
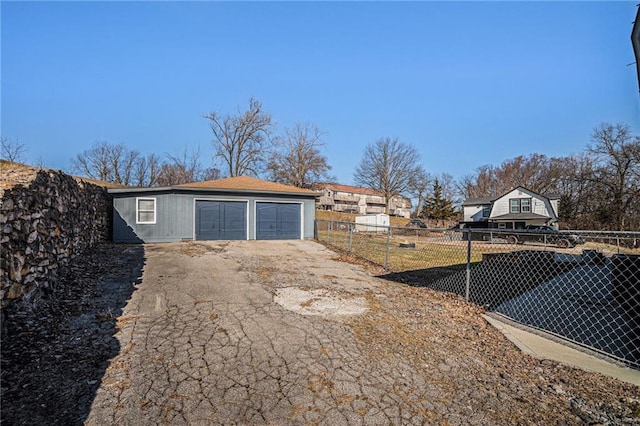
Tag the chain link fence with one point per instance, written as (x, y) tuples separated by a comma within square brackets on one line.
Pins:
[(581, 286)]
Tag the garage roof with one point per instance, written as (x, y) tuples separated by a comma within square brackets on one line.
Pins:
[(246, 183), (232, 184)]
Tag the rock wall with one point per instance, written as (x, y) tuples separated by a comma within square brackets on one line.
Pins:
[(44, 224)]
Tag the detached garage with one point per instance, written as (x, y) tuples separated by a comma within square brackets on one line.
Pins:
[(238, 208)]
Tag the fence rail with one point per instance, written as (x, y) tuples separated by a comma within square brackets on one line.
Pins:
[(582, 286)]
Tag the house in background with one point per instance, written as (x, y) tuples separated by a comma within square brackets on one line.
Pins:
[(516, 209), (357, 200), (237, 208)]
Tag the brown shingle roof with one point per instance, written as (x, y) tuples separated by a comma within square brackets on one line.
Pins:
[(351, 189), (246, 183), (348, 188)]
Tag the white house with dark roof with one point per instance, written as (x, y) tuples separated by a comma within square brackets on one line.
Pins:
[(516, 209)]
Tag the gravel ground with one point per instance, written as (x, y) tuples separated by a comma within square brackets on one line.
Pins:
[(275, 333)]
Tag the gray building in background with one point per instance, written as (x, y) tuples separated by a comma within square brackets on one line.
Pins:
[(238, 208)]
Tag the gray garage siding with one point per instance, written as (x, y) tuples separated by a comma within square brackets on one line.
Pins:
[(175, 214)]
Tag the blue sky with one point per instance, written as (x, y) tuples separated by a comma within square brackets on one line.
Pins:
[(467, 83)]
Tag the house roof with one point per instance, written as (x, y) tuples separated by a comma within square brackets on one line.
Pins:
[(349, 188), (489, 200), (232, 184), (478, 201), (246, 183), (519, 216)]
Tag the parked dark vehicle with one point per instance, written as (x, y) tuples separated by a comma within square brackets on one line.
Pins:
[(416, 223), (543, 234)]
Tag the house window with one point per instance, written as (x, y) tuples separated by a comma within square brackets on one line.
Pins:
[(486, 211), (520, 205), (514, 205), (146, 210)]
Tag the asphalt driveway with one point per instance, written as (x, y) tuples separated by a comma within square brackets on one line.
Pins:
[(283, 332)]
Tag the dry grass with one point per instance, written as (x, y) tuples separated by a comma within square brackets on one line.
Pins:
[(318, 384), (309, 302), (609, 249), (126, 319), (428, 252), (13, 174), (349, 217), (435, 250)]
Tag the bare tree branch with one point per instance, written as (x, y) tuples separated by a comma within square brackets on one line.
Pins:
[(419, 185), (117, 164), (184, 168), (242, 140), (12, 150), (388, 166), (297, 160)]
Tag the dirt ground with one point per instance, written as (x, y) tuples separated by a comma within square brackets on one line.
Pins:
[(282, 332)]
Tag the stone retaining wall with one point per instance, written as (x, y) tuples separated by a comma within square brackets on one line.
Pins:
[(44, 224)]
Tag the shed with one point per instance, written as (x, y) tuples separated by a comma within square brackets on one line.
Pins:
[(236, 208), (372, 223)]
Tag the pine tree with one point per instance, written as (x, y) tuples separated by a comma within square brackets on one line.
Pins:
[(437, 207)]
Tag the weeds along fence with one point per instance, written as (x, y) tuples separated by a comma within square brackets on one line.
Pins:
[(581, 286)]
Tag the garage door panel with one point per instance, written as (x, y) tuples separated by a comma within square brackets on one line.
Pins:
[(277, 221), (221, 220)]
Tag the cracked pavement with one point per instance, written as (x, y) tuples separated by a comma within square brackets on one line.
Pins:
[(281, 332)]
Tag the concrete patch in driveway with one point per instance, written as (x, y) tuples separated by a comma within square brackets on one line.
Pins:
[(319, 302)]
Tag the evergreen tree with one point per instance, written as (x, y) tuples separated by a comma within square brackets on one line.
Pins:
[(437, 207)]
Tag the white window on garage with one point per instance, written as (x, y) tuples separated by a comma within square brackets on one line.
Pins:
[(146, 210)]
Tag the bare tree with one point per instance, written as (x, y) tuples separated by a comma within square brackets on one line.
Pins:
[(599, 188), (185, 168), (12, 150), (387, 166), (448, 187), (536, 172), (616, 172), (297, 160), (117, 164), (242, 140), (95, 162), (419, 187), (123, 161), (147, 170)]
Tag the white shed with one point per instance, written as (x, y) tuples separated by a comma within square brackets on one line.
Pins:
[(372, 223)]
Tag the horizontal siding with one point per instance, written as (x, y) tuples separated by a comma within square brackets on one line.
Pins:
[(175, 215), (470, 212), (539, 205)]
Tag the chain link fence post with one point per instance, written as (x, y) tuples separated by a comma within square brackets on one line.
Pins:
[(386, 257), (468, 278), (329, 232), (350, 238)]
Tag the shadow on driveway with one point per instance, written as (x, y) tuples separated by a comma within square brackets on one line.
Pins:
[(55, 355)]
